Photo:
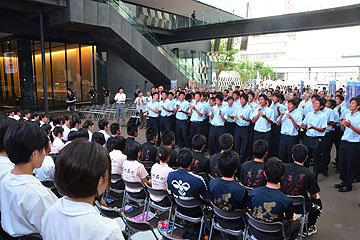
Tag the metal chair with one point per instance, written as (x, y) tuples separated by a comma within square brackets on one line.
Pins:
[(139, 201), (247, 188), (300, 201), (165, 236), (116, 184), (148, 165), (190, 204), (108, 212), (138, 227), (204, 176), (228, 215), (265, 227), (153, 204)]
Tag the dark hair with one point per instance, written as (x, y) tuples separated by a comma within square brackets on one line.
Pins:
[(98, 137), (356, 99), (87, 124), (274, 169), (42, 116), (264, 96), (230, 98), (198, 141), (82, 133), (132, 129), (57, 120), (188, 96), (322, 101), (251, 93), (315, 96), (72, 135), (114, 127), (33, 115), (4, 125), (294, 102), (25, 112), (163, 153), (300, 153), (168, 137), (220, 97), (236, 92), (185, 157), (260, 148), (277, 95), (47, 128), (21, 140), (226, 140), (341, 97), (79, 167), (245, 96), (132, 150), (74, 121), (229, 161), (102, 124), (181, 93), (151, 132), (332, 103), (57, 130), (117, 143)]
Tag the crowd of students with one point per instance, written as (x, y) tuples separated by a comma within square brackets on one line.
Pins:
[(253, 143)]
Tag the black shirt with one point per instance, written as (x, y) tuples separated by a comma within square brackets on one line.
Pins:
[(130, 140), (298, 180), (148, 152), (173, 163), (106, 93), (201, 163), (214, 168), (71, 97), (92, 93), (252, 174)]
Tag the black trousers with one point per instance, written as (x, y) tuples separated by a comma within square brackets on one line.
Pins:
[(196, 128), (182, 133), (214, 134), (286, 144), (230, 127), (291, 231), (348, 161), (250, 140), (326, 146), (206, 126), (337, 140), (314, 146), (154, 122), (165, 124), (241, 138), (275, 140), (262, 135)]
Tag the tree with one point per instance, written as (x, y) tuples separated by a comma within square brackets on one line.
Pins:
[(248, 70)]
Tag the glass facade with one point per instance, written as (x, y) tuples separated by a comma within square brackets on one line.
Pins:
[(67, 66)]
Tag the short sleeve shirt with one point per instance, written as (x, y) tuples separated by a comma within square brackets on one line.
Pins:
[(133, 171), (252, 174), (318, 120), (159, 176), (201, 163), (148, 152), (262, 125)]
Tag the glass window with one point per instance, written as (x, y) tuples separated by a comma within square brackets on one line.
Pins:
[(59, 73)]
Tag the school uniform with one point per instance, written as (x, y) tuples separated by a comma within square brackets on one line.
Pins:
[(5, 166), (327, 141), (289, 135), (182, 125), (230, 122), (164, 119), (313, 138), (217, 128), (153, 118), (106, 135), (46, 171), (241, 134), (67, 219), (262, 128), (337, 111), (57, 145), (206, 124), (120, 107), (117, 159), (66, 132), (252, 106), (23, 202), (196, 122), (349, 151), (275, 129)]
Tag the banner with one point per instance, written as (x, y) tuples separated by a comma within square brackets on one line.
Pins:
[(301, 88), (352, 90), (332, 87), (173, 84), (10, 62)]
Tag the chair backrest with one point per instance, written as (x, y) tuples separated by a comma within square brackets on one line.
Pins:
[(297, 201), (133, 184), (30, 237), (211, 177), (115, 177), (247, 188), (165, 236), (157, 192), (138, 226), (193, 203), (48, 184), (228, 214), (107, 212), (204, 176), (147, 164), (265, 227)]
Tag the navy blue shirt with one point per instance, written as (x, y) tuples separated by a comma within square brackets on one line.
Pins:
[(71, 97)]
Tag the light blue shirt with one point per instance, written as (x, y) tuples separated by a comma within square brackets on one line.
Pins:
[(231, 112), (195, 117), (287, 127), (282, 108), (330, 118), (336, 114), (217, 120), (168, 105), (153, 105), (245, 112), (344, 113), (184, 105), (349, 134), (237, 102), (262, 125), (206, 108), (318, 120), (308, 109)]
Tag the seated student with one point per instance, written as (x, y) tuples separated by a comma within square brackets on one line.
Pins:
[(99, 138), (57, 144), (226, 142), (64, 122), (148, 149), (134, 171), (82, 172), (74, 123), (23, 199), (186, 185), (168, 139), (115, 129), (298, 180), (26, 114), (82, 133), (252, 172), (89, 126), (116, 148), (269, 204), (43, 119), (159, 175), (132, 132), (47, 170), (5, 164), (226, 193), (103, 125), (201, 163)]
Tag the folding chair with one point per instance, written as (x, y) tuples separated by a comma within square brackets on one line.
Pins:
[(49, 184), (300, 201), (265, 227), (228, 215), (247, 188), (127, 196), (153, 204), (148, 165), (190, 204), (204, 176), (139, 227), (165, 236), (211, 177), (116, 184)]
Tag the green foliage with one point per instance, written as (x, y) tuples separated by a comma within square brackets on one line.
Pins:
[(248, 70)]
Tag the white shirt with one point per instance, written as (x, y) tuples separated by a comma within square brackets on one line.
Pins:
[(133, 171), (121, 97), (90, 135), (66, 132), (23, 202), (159, 175), (305, 104), (107, 136), (16, 117), (47, 170), (57, 145), (117, 160), (77, 220), (5, 166), (140, 104)]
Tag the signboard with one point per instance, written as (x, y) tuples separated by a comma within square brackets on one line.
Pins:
[(301, 88), (332, 87), (352, 90), (10, 62), (173, 84)]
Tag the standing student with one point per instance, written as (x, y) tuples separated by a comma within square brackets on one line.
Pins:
[(197, 112), (106, 93), (230, 121), (165, 113), (218, 116), (82, 172), (278, 108), (71, 100), (140, 108), (120, 99), (153, 111), (350, 146), (338, 110), (182, 125), (23, 199), (290, 121)]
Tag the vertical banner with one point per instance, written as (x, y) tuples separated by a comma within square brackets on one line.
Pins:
[(10, 62), (352, 90), (301, 88), (173, 84), (332, 87)]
